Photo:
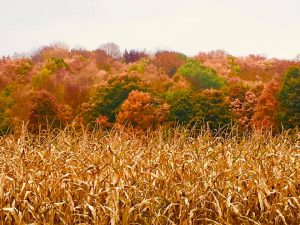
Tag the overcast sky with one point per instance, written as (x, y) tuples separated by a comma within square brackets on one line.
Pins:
[(240, 27)]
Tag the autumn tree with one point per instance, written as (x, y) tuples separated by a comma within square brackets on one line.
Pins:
[(218, 60), (20, 110), (244, 109), (14, 71), (264, 117), (42, 80), (109, 97), (142, 111), (133, 55), (236, 89), (80, 51), (151, 75), (103, 60), (54, 64), (82, 77), (54, 50), (260, 68), (289, 99), (169, 61), (43, 111), (75, 93), (139, 67), (111, 49), (243, 100)]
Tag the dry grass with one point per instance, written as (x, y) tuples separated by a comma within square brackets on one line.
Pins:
[(157, 178)]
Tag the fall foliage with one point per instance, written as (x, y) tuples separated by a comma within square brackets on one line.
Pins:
[(142, 111), (169, 61), (266, 108), (103, 87)]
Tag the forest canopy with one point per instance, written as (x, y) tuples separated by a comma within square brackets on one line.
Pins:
[(106, 87)]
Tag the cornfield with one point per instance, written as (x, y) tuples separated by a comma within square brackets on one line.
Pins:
[(159, 177)]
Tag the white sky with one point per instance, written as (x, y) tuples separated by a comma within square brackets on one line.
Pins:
[(240, 27)]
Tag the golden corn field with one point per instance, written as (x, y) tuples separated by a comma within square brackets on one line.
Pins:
[(160, 177)]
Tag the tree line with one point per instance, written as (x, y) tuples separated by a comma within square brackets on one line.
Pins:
[(105, 88)]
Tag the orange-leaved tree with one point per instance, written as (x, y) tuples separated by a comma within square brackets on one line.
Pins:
[(142, 111), (169, 61), (266, 109)]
